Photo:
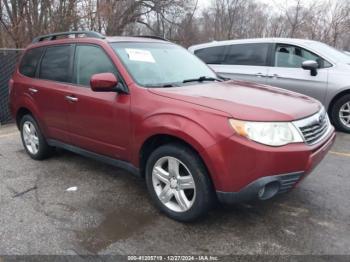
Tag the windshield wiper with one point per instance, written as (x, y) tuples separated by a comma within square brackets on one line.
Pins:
[(162, 85), (202, 79)]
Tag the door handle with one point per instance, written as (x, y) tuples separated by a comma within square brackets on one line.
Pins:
[(72, 98), (33, 90), (260, 75), (274, 76)]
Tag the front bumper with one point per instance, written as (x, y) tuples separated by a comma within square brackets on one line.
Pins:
[(271, 185), (241, 168)]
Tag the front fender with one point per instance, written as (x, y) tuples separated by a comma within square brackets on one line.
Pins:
[(189, 130), (175, 125)]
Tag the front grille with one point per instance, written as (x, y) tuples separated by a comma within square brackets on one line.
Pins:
[(313, 133), (314, 128), (287, 182)]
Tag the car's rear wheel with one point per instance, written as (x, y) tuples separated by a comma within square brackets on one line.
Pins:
[(341, 114), (178, 182), (33, 140)]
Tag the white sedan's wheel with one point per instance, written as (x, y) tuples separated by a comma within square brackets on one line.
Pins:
[(174, 184), (340, 113), (344, 114)]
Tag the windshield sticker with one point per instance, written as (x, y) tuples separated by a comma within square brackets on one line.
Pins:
[(140, 55)]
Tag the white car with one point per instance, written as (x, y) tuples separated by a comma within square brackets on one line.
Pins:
[(304, 66)]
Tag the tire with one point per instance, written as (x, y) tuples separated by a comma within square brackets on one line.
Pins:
[(33, 140), (191, 196), (340, 113)]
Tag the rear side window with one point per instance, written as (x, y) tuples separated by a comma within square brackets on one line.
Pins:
[(30, 61), (90, 60), (211, 55), (55, 64), (247, 54)]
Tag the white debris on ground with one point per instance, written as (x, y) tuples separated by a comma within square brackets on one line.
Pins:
[(72, 189)]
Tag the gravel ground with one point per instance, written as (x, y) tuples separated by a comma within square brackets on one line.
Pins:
[(111, 213)]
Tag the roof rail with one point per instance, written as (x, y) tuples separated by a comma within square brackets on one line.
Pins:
[(152, 37), (50, 37)]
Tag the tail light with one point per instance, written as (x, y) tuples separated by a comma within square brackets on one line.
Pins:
[(10, 86)]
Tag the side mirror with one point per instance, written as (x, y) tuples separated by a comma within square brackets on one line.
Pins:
[(104, 82), (310, 65)]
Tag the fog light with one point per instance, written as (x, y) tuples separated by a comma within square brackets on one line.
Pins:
[(269, 190), (261, 192)]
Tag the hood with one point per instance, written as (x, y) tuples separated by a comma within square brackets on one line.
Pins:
[(245, 100)]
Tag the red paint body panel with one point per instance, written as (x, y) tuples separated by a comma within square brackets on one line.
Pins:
[(99, 122), (103, 82), (117, 125), (240, 162), (247, 101), (48, 103)]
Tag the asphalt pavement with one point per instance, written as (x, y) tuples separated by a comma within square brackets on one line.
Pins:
[(72, 205)]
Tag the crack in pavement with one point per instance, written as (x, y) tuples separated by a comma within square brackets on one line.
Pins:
[(25, 191), (40, 205)]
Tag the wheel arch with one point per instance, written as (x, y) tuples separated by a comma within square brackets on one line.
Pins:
[(336, 97), (157, 140), (22, 111), (27, 106), (198, 133)]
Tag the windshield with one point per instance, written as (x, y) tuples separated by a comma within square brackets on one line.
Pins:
[(161, 64), (331, 52)]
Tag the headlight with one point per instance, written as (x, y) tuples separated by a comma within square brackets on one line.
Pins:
[(267, 133)]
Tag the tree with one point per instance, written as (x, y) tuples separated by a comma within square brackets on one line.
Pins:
[(178, 20)]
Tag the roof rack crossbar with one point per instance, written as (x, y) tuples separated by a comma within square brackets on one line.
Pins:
[(50, 37), (152, 37)]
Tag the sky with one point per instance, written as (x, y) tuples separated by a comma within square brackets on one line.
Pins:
[(206, 3)]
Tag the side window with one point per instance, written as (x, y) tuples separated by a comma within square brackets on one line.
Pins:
[(247, 54), (90, 60), (211, 55), (293, 57), (55, 64), (30, 61)]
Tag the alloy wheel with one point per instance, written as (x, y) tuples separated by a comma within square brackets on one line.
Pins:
[(174, 184), (344, 114), (30, 137)]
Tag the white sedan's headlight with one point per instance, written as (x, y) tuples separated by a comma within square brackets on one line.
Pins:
[(267, 133)]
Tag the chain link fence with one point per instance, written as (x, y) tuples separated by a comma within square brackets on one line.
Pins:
[(8, 60)]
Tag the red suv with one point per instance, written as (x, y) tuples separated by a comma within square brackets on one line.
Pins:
[(151, 107)]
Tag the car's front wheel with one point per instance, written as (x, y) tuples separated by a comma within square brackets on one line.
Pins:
[(178, 182), (32, 138), (341, 114)]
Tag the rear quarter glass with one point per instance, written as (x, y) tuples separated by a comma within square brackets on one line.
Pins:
[(30, 60)]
